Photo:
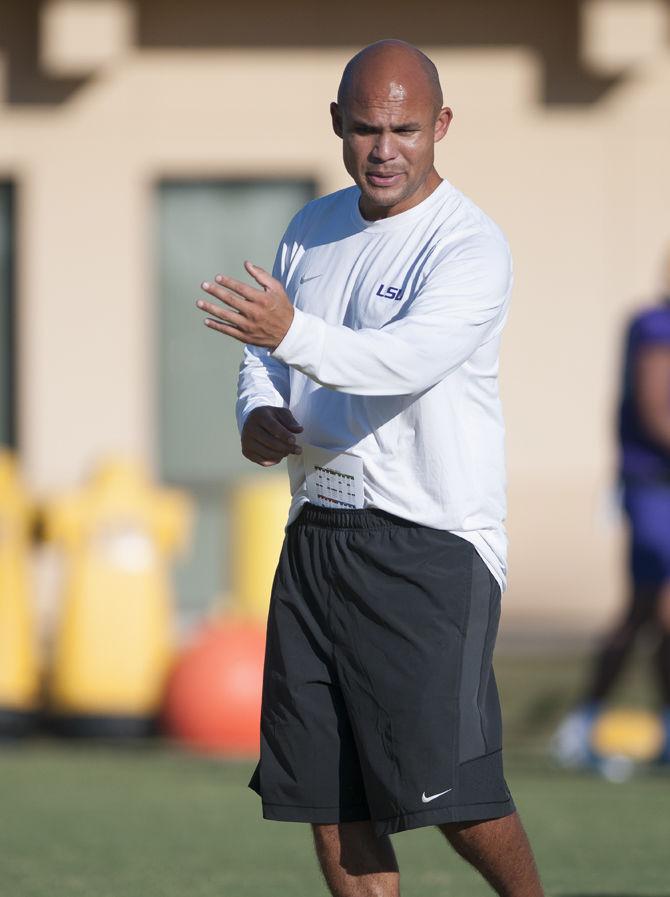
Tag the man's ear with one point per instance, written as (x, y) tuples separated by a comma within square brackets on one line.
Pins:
[(336, 117), (442, 123)]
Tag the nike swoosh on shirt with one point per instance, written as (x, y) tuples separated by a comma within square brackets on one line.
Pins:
[(427, 800), (304, 279)]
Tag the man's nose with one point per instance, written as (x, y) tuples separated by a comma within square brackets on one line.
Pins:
[(384, 148)]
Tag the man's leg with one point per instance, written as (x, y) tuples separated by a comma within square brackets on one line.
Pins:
[(663, 650), (617, 645), (571, 743), (354, 862), (662, 664), (500, 852)]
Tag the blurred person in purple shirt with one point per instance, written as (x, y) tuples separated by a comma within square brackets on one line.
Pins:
[(644, 473)]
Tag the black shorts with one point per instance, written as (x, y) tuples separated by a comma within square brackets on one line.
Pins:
[(379, 699)]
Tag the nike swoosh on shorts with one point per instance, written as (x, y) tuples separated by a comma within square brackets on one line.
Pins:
[(427, 800)]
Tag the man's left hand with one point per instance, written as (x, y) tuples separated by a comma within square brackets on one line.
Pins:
[(259, 316)]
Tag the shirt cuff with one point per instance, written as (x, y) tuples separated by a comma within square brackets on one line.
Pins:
[(302, 345)]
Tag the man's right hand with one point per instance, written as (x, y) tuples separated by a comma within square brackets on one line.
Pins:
[(268, 435)]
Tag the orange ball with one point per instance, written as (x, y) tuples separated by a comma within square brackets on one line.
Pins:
[(213, 697)]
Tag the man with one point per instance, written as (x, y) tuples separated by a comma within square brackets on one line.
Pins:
[(644, 470), (377, 335)]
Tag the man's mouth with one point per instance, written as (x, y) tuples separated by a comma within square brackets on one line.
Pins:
[(383, 180)]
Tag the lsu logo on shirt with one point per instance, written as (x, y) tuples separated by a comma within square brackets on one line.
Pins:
[(389, 292)]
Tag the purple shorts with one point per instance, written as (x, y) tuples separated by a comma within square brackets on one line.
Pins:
[(647, 506)]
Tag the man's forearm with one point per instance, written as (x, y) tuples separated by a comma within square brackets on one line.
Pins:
[(262, 381), (404, 358)]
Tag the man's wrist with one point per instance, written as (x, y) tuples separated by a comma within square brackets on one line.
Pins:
[(284, 345), (288, 327)]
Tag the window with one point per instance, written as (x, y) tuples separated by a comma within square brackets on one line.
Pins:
[(205, 228)]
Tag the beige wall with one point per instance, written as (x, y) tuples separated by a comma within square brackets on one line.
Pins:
[(581, 190)]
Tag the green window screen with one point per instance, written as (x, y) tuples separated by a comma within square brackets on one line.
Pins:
[(7, 429), (206, 228)]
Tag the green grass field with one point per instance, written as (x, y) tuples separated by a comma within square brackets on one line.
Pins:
[(152, 820)]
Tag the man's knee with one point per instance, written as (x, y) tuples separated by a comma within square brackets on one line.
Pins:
[(484, 832), (355, 847)]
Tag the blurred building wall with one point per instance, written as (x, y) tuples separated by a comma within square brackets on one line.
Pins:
[(561, 133)]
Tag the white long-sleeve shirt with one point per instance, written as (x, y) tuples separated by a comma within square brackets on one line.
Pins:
[(392, 355)]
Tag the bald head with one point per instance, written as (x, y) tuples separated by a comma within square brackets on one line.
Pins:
[(394, 68)]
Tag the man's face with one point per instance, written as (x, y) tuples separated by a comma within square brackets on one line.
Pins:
[(389, 146)]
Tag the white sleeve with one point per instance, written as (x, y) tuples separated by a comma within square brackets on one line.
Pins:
[(461, 304), (264, 379)]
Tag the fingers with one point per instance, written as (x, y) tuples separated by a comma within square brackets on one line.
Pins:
[(233, 317), (254, 447), (276, 436), (222, 295), (266, 427), (260, 275), (247, 292), (244, 289), (262, 316), (287, 419), (228, 329), (260, 454), (275, 440)]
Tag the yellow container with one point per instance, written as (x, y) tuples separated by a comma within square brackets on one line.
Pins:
[(623, 732), (114, 641), (259, 512), (19, 663)]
